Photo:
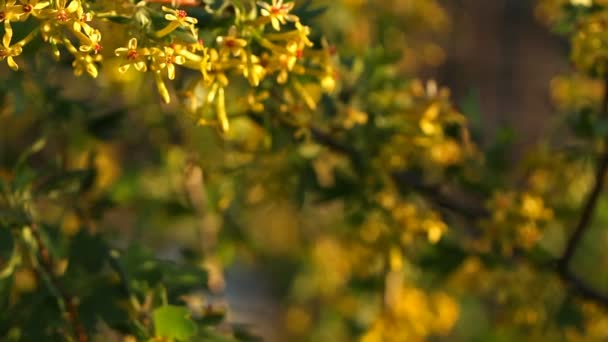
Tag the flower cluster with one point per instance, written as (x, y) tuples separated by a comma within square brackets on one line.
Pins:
[(245, 49), (430, 132), (60, 23), (272, 45), (517, 220), (590, 44)]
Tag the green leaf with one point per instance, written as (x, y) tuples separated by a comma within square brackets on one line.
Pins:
[(105, 127), (7, 246), (471, 108), (104, 302), (88, 252), (36, 147), (570, 314), (68, 182), (212, 336), (11, 217), (119, 19), (442, 258), (306, 13), (182, 278), (173, 322)]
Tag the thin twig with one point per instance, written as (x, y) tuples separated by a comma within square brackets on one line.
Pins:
[(439, 198), (47, 263), (408, 180)]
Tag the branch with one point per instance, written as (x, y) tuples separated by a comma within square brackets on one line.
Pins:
[(593, 197), (47, 263), (582, 288), (587, 213), (585, 219), (475, 211), (406, 180), (438, 197)]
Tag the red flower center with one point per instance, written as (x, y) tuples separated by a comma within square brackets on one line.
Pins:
[(62, 16), (132, 54), (231, 43), (27, 8), (182, 14)]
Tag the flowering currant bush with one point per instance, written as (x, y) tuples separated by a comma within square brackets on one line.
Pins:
[(221, 170)]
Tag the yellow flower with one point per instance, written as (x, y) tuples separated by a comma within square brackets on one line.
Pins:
[(303, 33), (284, 60), (81, 21), (180, 16), (166, 59), (177, 18), (134, 56), (533, 207), (253, 71), (278, 13), (65, 12), (92, 42), (211, 69), (85, 62), (8, 52), (32, 7), (446, 153), (586, 3), (354, 117), (10, 12), (255, 102), (231, 42)]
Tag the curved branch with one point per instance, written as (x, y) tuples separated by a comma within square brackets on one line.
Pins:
[(587, 213), (585, 219), (583, 289)]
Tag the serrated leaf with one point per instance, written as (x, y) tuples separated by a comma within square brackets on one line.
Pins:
[(173, 322)]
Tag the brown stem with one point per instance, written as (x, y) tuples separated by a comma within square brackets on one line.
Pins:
[(592, 198), (47, 263), (587, 213), (433, 193), (585, 220), (583, 289)]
